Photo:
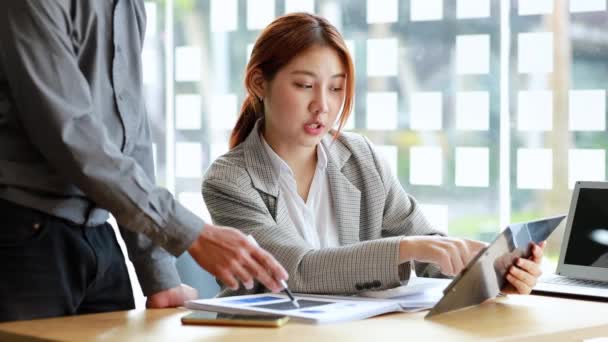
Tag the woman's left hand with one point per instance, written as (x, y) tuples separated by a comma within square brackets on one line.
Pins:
[(522, 276)]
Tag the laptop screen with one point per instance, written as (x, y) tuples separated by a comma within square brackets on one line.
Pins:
[(588, 243)]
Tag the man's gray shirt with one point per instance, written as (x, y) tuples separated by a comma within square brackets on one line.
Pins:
[(74, 135)]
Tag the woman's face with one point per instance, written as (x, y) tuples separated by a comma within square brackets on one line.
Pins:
[(303, 100)]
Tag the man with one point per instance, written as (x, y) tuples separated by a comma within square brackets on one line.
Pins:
[(75, 146)]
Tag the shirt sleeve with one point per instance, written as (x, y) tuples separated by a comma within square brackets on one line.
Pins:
[(57, 112), (403, 217), (155, 268)]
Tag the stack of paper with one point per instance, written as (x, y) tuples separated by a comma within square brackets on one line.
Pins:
[(418, 294)]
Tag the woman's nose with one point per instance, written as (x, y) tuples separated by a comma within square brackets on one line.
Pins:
[(319, 104)]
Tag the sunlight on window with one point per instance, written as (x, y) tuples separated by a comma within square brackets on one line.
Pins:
[(426, 165), (473, 54), (382, 57), (299, 6), (436, 214), (333, 13), (382, 11), (587, 110), (217, 149), (223, 111), (150, 65), (187, 64), (587, 5), (535, 7), (466, 9), (534, 168), (473, 110), (259, 13), (422, 10), (151, 19), (193, 201), (472, 166), (224, 15), (426, 111), (188, 111), (382, 110), (249, 50), (535, 52), (535, 110), (188, 160), (586, 165), (350, 122), (389, 154), (350, 44)]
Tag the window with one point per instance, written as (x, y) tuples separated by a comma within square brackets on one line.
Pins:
[(487, 111)]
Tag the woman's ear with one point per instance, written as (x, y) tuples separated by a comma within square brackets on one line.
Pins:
[(258, 84)]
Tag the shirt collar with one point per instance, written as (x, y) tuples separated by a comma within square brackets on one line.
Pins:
[(279, 166)]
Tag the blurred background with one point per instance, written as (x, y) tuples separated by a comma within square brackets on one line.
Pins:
[(487, 110)]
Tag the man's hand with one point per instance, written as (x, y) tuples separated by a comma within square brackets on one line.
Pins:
[(171, 298), (232, 258)]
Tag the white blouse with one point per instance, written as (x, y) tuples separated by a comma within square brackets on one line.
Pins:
[(315, 219)]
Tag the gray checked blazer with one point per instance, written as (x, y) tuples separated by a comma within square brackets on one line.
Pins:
[(373, 212)]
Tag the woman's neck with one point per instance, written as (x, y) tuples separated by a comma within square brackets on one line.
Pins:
[(300, 159)]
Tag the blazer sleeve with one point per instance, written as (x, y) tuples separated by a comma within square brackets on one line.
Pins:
[(399, 222), (233, 201)]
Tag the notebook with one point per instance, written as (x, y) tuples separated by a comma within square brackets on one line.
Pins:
[(583, 262)]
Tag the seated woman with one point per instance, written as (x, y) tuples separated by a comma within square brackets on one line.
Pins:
[(321, 201)]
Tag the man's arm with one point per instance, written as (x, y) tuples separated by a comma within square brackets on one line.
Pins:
[(57, 112), (56, 109), (155, 267)]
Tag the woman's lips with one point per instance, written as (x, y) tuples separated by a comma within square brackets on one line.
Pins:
[(314, 128)]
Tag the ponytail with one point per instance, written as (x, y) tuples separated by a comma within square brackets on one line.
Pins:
[(251, 111)]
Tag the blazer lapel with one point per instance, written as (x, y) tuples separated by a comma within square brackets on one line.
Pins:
[(262, 175), (346, 197), (258, 164)]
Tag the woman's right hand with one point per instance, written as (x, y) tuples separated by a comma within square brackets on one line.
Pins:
[(450, 254)]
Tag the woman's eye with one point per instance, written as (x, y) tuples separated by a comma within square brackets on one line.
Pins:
[(303, 85), (337, 89)]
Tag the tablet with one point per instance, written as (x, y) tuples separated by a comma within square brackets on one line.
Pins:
[(484, 275)]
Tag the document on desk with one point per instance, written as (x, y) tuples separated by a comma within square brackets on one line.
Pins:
[(313, 309), (418, 294)]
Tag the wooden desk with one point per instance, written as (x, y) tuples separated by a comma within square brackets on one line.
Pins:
[(533, 318)]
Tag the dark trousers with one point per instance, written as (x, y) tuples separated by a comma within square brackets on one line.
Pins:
[(51, 267)]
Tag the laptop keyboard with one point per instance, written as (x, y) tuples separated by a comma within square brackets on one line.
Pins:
[(558, 280)]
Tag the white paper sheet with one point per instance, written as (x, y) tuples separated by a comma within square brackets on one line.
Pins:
[(313, 309)]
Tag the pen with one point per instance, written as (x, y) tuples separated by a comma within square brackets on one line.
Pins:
[(283, 283)]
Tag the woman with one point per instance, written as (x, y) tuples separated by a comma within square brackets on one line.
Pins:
[(323, 202)]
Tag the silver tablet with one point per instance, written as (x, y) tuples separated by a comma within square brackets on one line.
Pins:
[(484, 275)]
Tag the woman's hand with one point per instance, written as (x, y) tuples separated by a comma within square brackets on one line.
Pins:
[(450, 254), (522, 276)]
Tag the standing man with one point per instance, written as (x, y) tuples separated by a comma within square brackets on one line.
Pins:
[(75, 146)]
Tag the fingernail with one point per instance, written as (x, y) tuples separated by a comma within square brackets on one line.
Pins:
[(249, 285)]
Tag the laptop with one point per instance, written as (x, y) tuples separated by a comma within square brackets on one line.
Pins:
[(583, 262)]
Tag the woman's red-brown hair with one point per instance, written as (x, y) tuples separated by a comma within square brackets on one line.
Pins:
[(281, 41)]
